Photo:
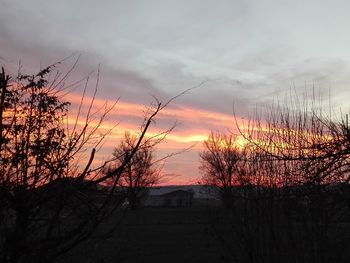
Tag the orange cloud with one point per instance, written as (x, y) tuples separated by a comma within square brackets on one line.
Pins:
[(196, 125)]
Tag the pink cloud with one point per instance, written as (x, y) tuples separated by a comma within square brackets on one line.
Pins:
[(195, 125)]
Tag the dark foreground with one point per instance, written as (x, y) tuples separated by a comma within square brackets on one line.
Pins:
[(257, 231), (154, 235)]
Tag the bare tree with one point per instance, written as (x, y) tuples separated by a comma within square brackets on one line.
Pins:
[(307, 149), (297, 166), (141, 172), (49, 191), (222, 162)]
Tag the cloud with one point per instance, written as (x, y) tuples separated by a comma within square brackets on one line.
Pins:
[(195, 125), (248, 52)]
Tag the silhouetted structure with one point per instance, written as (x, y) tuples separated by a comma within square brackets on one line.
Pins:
[(177, 198)]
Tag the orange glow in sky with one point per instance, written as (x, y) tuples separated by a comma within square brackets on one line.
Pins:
[(194, 127)]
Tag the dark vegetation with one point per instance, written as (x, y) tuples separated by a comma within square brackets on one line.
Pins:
[(142, 170), (285, 191), (51, 198)]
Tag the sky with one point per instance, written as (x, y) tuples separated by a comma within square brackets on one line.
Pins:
[(241, 53)]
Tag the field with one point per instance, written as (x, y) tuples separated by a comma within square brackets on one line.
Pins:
[(256, 231), (154, 235)]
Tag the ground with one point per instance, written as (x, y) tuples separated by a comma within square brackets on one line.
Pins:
[(215, 234), (155, 235)]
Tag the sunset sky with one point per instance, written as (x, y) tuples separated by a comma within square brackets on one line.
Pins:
[(245, 53)]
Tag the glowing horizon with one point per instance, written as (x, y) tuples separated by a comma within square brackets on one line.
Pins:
[(195, 126)]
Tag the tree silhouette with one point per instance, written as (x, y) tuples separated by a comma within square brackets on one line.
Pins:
[(222, 162), (141, 172), (50, 194), (295, 204)]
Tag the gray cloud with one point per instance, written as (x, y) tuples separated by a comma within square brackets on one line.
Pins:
[(248, 51)]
